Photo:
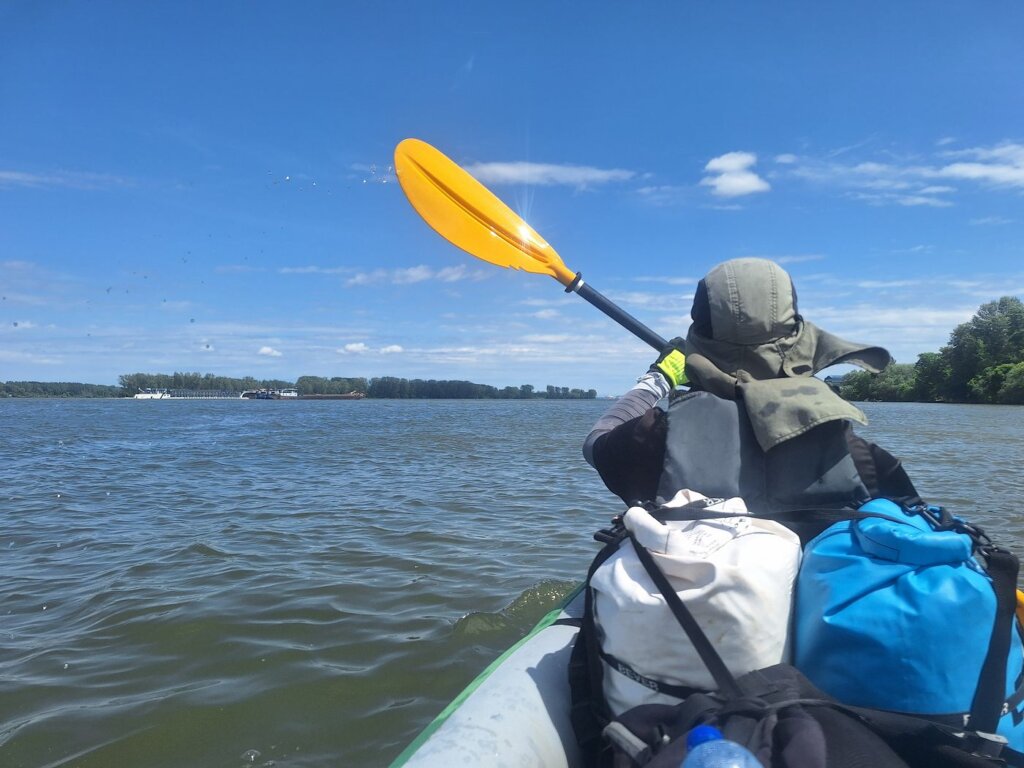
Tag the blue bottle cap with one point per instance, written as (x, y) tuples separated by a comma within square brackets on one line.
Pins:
[(700, 734)]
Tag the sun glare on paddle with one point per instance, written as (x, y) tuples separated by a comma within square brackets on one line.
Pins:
[(526, 237)]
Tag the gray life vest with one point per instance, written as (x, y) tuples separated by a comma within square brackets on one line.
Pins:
[(711, 448)]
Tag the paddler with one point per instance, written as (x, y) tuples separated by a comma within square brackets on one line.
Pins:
[(756, 422)]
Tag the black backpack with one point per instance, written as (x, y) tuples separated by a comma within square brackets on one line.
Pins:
[(774, 712)]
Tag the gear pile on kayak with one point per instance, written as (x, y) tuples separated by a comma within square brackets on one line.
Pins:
[(868, 669)]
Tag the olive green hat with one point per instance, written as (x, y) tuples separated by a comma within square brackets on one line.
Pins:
[(748, 340)]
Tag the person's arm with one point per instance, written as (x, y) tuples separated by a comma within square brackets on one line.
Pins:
[(649, 389), (627, 444)]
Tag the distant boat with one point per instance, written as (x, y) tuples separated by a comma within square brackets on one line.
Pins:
[(293, 394), (152, 394), (271, 394), (258, 394)]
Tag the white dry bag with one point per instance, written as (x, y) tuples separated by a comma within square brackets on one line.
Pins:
[(735, 575)]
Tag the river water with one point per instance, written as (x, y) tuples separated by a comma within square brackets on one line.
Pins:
[(233, 583)]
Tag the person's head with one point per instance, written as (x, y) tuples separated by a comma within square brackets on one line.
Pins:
[(745, 301), (745, 318)]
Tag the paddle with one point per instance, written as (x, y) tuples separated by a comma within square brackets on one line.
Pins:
[(467, 214)]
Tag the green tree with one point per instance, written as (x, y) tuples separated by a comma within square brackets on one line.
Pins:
[(995, 335), (931, 372), (985, 387), (895, 384), (1012, 391)]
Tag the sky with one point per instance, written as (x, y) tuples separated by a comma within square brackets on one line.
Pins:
[(208, 186)]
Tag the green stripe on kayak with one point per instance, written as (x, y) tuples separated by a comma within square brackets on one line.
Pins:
[(549, 619)]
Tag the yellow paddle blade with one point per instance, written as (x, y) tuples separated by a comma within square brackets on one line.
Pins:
[(467, 214)]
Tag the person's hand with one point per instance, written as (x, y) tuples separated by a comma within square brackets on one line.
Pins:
[(671, 363)]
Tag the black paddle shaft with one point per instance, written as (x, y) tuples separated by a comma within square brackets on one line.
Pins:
[(613, 311)]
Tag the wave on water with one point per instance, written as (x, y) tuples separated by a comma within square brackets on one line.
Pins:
[(520, 615)]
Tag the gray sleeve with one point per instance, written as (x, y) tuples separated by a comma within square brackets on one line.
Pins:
[(649, 389)]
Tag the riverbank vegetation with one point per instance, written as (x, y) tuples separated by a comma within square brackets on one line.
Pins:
[(57, 389), (388, 387), (983, 362)]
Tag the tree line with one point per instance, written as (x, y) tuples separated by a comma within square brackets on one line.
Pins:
[(392, 387), (57, 389), (983, 362), (382, 387)]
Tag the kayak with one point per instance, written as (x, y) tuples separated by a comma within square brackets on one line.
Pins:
[(516, 712)]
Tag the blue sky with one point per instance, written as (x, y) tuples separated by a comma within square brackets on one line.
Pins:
[(207, 186)]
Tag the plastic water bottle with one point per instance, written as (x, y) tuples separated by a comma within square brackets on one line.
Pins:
[(707, 748)]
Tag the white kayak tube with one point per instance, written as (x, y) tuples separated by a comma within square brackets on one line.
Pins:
[(516, 712)]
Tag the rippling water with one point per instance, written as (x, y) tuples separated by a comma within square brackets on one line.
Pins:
[(222, 583)]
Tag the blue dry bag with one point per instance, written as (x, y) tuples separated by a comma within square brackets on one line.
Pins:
[(895, 612)]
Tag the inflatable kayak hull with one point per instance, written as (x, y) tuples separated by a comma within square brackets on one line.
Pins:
[(516, 712)]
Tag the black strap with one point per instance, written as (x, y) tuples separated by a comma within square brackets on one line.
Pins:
[(726, 682), (987, 706), (589, 712)]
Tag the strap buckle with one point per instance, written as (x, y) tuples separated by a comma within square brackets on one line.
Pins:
[(989, 744)]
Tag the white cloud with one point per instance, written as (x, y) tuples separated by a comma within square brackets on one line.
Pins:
[(911, 181), (668, 280), (65, 179), (357, 348), (892, 198), (391, 349), (787, 258), (730, 175), (368, 278), (1002, 165), (649, 300), (411, 275), (548, 338), (879, 284), (314, 270), (786, 159), (545, 174), (797, 259), (542, 302), (417, 274), (269, 352), (547, 314), (452, 274)]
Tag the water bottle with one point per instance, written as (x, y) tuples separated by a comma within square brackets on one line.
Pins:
[(707, 748)]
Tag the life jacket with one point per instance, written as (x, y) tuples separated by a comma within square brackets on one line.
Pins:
[(711, 448)]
